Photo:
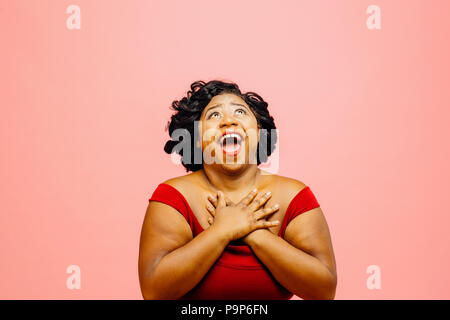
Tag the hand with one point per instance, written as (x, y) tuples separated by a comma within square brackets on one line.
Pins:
[(238, 220)]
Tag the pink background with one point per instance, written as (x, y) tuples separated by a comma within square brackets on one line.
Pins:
[(363, 119)]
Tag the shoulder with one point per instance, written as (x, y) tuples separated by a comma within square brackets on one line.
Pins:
[(290, 183), (288, 187), (287, 184), (182, 183)]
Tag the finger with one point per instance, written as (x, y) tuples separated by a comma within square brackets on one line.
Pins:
[(213, 200), (267, 224), (266, 212), (221, 200), (211, 209), (248, 198), (260, 201)]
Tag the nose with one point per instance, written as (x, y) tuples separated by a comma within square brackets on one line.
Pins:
[(227, 121)]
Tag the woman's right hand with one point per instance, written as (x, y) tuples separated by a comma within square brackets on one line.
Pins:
[(237, 220)]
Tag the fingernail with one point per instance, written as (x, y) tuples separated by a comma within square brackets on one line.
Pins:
[(254, 190), (276, 205), (268, 193)]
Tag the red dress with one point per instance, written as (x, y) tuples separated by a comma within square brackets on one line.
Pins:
[(237, 274)]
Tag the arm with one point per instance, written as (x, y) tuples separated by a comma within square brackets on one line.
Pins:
[(171, 261), (303, 263)]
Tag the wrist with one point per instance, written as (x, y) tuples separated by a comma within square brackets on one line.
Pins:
[(254, 236), (223, 236)]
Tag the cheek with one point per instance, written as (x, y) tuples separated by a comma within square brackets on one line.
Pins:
[(251, 123), (253, 135), (209, 133)]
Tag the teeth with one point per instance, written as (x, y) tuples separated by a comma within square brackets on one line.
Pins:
[(231, 135)]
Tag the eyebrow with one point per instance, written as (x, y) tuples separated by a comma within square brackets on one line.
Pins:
[(220, 104)]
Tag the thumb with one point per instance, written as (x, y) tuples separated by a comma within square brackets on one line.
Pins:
[(228, 201), (221, 199)]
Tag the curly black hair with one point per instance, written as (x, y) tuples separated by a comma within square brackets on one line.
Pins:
[(190, 108)]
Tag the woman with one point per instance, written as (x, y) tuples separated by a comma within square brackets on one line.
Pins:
[(242, 233)]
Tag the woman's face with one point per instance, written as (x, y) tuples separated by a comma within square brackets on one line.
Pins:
[(229, 131)]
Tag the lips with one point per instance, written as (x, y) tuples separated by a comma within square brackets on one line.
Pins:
[(231, 142)]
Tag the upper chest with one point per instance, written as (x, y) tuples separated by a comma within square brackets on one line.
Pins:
[(197, 198)]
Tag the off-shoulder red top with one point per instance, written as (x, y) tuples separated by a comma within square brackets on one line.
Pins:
[(237, 274)]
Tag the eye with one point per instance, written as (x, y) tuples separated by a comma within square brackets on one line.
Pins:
[(242, 111), (212, 114)]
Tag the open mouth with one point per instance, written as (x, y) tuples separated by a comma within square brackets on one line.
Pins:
[(231, 143)]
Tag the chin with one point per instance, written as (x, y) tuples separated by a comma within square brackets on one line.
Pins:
[(233, 167)]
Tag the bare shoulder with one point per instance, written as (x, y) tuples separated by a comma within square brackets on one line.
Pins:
[(290, 183), (288, 187), (182, 183)]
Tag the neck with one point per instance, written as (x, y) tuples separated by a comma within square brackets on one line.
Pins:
[(230, 182)]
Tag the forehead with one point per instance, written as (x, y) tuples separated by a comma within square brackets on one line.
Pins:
[(225, 98)]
